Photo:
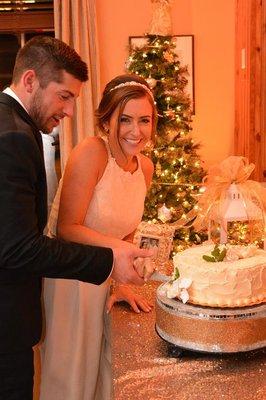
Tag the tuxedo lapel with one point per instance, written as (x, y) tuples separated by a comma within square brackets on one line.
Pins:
[(10, 101), (41, 193)]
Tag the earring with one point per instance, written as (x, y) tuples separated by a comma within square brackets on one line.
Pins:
[(106, 129)]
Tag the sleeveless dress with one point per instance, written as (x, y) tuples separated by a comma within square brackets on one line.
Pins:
[(76, 356)]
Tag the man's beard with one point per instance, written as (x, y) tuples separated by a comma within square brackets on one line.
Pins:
[(36, 111)]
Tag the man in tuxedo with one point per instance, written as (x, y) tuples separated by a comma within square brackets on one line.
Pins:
[(47, 79)]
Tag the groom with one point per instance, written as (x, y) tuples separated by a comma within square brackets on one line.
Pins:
[(47, 79)]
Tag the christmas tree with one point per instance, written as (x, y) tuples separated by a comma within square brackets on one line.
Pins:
[(178, 169)]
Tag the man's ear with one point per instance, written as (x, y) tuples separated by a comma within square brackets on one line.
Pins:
[(30, 80)]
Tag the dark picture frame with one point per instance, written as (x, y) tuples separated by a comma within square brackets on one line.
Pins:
[(184, 48)]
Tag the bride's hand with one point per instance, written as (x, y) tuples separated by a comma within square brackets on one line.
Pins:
[(125, 293)]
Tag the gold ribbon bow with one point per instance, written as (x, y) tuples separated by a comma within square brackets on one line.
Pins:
[(234, 169)]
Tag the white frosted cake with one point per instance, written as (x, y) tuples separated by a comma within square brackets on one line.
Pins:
[(239, 280)]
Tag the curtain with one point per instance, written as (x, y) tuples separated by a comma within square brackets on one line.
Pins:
[(75, 24)]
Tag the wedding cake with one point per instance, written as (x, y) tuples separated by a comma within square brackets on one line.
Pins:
[(220, 276)]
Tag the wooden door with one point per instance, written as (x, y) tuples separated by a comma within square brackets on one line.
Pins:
[(250, 90)]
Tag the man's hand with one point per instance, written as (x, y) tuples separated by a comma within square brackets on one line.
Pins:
[(145, 267), (124, 271)]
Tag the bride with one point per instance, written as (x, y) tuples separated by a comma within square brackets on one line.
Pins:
[(101, 203)]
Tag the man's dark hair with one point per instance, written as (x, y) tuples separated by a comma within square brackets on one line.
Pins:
[(49, 57)]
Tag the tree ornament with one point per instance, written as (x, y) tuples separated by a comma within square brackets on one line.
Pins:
[(170, 113), (151, 82), (168, 56), (164, 214)]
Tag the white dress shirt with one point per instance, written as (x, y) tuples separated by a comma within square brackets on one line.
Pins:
[(10, 92)]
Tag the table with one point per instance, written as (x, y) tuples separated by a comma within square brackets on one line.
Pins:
[(147, 368)]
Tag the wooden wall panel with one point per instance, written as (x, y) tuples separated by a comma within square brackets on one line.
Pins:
[(20, 22), (251, 84)]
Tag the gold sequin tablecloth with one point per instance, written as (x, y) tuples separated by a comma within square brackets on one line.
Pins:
[(147, 368)]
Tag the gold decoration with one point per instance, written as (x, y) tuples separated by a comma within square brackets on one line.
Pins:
[(161, 23), (168, 56), (158, 169), (233, 169), (206, 329)]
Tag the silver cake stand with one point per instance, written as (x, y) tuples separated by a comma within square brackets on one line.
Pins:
[(212, 330)]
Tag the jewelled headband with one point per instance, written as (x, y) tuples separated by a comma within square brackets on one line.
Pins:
[(132, 83)]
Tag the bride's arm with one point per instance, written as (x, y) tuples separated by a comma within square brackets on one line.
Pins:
[(122, 292), (85, 167)]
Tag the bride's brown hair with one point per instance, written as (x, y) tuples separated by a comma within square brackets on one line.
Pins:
[(117, 95)]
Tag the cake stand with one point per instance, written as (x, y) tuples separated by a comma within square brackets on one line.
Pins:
[(212, 330)]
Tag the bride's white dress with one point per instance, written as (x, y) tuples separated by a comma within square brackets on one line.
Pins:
[(76, 357)]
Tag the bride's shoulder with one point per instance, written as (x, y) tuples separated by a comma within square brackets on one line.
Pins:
[(91, 151), (146, 164), (93, 146), (147, 168)]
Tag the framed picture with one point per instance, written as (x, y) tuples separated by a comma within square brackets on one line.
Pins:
[(184, 48), (149, 242), (155, 236)]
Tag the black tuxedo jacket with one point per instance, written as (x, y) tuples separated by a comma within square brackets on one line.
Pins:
[(26, 255)]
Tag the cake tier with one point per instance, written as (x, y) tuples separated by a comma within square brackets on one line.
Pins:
[(223, 284)]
